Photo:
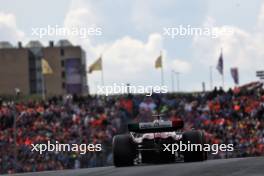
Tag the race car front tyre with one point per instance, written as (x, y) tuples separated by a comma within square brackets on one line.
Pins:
[(124, 150), (194, 137)]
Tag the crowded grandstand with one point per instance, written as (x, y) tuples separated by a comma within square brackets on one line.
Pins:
[(235, 116)]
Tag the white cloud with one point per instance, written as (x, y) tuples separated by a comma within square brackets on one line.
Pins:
[(129, 60), (242, 49), (261, 17), (181, 66), (81, 17), (126, 59), (9, 29)]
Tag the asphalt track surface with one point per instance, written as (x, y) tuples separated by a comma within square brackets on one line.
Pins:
[(224, 167)]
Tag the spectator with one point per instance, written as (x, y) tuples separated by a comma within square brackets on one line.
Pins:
[(236, 118)]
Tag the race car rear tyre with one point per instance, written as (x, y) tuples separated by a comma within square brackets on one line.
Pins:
[(194, 137), (205, 153), (124, 151)]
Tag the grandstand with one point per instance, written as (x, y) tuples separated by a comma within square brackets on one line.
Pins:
[(235, 116)]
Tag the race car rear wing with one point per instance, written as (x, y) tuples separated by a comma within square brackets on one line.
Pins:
[(153, 127)]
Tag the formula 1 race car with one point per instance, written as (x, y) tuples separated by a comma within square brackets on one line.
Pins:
[(146, 141)]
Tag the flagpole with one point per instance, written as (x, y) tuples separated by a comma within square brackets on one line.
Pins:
[(87, 82), (161, 69), (43, 87), (211, 77), (172, 81), (102, 73), (102, 77), (223, 79), (178, 80)]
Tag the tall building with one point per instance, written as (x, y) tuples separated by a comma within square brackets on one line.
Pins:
[(14, 69), (69, 68), (20, 69)]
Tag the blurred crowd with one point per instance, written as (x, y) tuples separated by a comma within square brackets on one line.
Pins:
[(235, 116)]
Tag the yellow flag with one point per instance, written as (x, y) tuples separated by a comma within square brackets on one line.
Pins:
[(97, 65), (46, 69), (158, 63)]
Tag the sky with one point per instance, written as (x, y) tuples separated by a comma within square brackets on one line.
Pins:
[(132, 37)]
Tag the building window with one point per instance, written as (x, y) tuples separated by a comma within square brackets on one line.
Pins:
[(62, 52), (63, 85), (63, 74), (62, 63)]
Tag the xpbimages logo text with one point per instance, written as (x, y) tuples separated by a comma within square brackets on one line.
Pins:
[(59, 147), (192, 31), (75, 31), (213, 148), (134, 89)]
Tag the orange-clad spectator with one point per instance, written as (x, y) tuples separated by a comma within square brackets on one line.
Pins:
[(237, 108), (127, 104)]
